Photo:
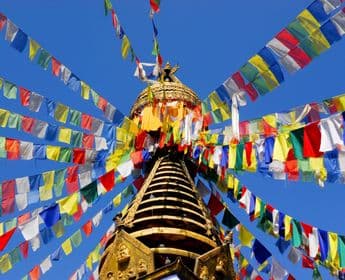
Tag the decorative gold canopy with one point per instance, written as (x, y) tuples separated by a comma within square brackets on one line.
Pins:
[(168, 88)]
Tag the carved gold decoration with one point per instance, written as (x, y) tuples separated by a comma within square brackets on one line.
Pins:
[(218, 262), (126, 258)]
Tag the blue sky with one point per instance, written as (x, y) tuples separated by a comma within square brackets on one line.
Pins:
[(209, 40)]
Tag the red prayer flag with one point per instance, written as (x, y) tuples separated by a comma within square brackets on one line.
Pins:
[(23, 218), (77, 215), (72, 187), (72, 174), (290, 277), (306, 228), (138, 183), (86, 121), (307, 262), (114, 18), (8, 189), (108, 180), (79, 156), (56, 66), (140, 140), (3, 20), (24, 96), (24, 248), (287, 39), (214, 205), (207, 120), (102, 103), (311, 140), (87, 228), (300, 56), (251, 91), (137, 157), (27, 124), (13, 148), (7, 205), (35, 273), (88, 140), (291, 166), (248, 146), (5, 238), (155, 5)]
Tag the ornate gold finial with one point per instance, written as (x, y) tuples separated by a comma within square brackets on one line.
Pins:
[(168, 73)]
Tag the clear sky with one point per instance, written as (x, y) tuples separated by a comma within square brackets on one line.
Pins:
[(209, 40)]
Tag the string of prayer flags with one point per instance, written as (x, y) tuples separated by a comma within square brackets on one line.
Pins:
[(19, 40), (316, 243), (314, 30), (47, 131)]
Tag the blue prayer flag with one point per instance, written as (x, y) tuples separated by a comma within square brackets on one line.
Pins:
[(20, 40), (51, 215)]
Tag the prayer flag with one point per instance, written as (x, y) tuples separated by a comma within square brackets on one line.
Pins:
[(155, 5), (56, 66), (125, 47), (5, 238), (51, 215), (19, 41), (33, 49)]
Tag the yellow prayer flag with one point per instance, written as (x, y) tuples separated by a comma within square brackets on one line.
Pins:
[(232, 156), (61, 113), (253, 164), (95, 256), (215, 101), (316, 164), (89, 262), (270, 79), (48, 178), (1, 83), (257, 207), (1, 228), (125, 47), (287, 225), (4, 115), (53, 152), (259, 63), (320, 42), (69, 204), (281, 147), (308, 21), (5, 263), (33, 49), (232, 182), (333, 245), (85, 90), (271, 120), (245, 237), (244, 262), (67, 246), (46, 193), (65, 135), (124, 210)]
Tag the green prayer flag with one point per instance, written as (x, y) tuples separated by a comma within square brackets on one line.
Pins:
[(67, 220), (217, 116), (155, 50), (76, 238), (249, 72), (205, 107), (297, 30), (107, 6), (44, 59), (128, 191), (89, 192), (14, 121), (1, 82), (75, 117), (125, 47), (95, 97), (26, 277), (229, 219), (341, 245), (59, 182), (15, 256), (239, 157), (59, 228), (296, 233), (77, 138), (316, 274), (3, 152), (308, 46), (296, 138), (10, 90), (65, 154), (10, 224), (261, 85)]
